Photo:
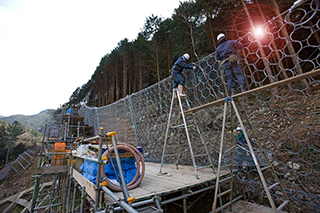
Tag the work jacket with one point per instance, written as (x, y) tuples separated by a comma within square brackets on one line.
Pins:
[(227, 48), (180, 64)]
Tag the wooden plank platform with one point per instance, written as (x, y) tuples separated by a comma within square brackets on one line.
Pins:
[(174, 180), (50, 170)]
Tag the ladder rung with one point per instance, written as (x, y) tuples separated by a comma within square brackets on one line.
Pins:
[(230, 149), (225, 179), (282, 205), (169, 155), (265, 168), (273, 185), (203, 144), (228, 204), (224, 193), (175, 145), (203, 167), (201, 155), (177, 126), (181, 125)]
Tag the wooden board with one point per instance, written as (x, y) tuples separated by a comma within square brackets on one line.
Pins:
[(50, 170), (176, 179), (83, 182)]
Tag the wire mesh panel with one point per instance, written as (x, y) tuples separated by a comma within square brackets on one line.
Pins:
[(284, 119)]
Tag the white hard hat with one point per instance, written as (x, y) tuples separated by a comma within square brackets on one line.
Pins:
[(186, 56), (238, 128), (220, 36)]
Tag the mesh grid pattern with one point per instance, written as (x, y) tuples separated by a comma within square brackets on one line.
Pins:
[(284, 119)]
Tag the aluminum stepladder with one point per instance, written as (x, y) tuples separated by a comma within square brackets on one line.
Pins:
[(185, 126), (259, 170)]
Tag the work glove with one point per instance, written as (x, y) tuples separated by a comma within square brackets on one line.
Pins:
[(194, 67)]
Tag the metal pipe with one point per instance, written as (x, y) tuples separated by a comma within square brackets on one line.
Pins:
[(21, 165), (82, 199), (69, 117), (167, 132), (23, 158), (69, 190), (229, 203), (141, 203), (220, 156), (92, 159), (188, 137), (123, 180), (45, 199), (32, 152), (51, 205), (122, 203), (55, 153), (264, 183), (98, 171), (259, 89), (65, 132), (91, 139), (74, 197), (78, 129), (35, 194), (15, 170), (28, 154), (187, 195)]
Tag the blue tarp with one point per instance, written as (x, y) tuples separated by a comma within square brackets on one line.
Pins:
[(69, 111), (89, 169)]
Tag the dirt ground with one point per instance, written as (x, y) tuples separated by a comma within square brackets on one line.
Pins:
[(15, 183), (246, 207)]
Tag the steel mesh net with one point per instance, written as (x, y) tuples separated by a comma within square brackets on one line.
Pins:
[(284, 119)]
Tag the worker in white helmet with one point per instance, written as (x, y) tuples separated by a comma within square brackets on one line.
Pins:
[(241, 140), (227, 52), (177, 80), (243, 155)]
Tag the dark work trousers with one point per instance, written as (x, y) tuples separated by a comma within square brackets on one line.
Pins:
[(233, 71), (177, 79)]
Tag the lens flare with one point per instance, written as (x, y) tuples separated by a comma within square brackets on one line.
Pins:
[(258, 32)]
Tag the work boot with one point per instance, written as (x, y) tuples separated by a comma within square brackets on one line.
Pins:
[(232, 91), (175, 94), (181, 91), (243, 87)]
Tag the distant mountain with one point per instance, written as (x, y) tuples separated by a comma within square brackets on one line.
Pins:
[(35, 122)]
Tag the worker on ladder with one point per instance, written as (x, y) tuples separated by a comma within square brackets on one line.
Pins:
[(227, 52), (177, 80), (244, 155)]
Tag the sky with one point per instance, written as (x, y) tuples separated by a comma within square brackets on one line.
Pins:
[(48, 48)]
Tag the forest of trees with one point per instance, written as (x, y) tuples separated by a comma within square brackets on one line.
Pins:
[(8, 132), (193, 27)]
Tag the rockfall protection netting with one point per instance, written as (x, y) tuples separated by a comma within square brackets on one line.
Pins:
[(284, 119)]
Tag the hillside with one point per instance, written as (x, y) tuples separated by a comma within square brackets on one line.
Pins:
[(35, 122)]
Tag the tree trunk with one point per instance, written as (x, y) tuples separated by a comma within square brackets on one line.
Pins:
[(191, 37), (124, 77), (140, 77), (157, 60), (117, 83), (169, 54), (211, 31)]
